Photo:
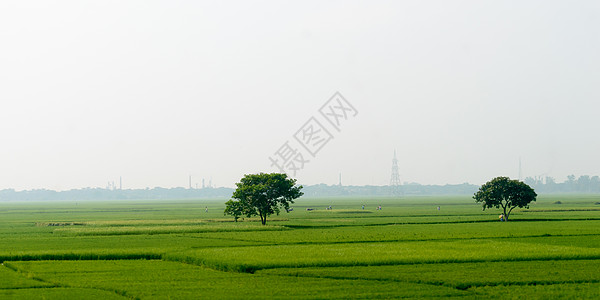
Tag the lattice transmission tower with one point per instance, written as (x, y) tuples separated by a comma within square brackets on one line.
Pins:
[(395, 188)]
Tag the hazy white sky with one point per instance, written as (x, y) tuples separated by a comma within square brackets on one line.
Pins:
[(155, 91)]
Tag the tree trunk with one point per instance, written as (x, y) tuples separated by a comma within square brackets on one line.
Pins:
[(509, 211), (263, 218), (505, 215)]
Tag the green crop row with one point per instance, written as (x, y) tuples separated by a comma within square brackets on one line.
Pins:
[(50, 243), (252, 258), (164, 280), (463, 275), (58, 293), (164, 229), (539, 291), (10, 279), (416, 232), (81, 255)]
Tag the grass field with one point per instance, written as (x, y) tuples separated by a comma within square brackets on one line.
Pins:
[(174, 249)]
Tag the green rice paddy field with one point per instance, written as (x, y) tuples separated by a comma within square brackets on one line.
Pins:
[(174, 249)]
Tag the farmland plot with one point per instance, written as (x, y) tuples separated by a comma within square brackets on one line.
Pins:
[(409, 249)]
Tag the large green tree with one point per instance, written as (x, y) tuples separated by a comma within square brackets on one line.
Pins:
[(506, 193), (263, 195)]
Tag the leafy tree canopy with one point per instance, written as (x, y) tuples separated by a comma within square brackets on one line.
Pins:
[(506, 193), (235, 209), (263, 194)]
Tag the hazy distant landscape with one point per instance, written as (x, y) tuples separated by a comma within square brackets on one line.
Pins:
[(299, 149), (581, 185)]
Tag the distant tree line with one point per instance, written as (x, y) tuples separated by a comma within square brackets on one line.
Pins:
[(114, 194), (585, 184), (319, 190), (323, 190), (545, 185)]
